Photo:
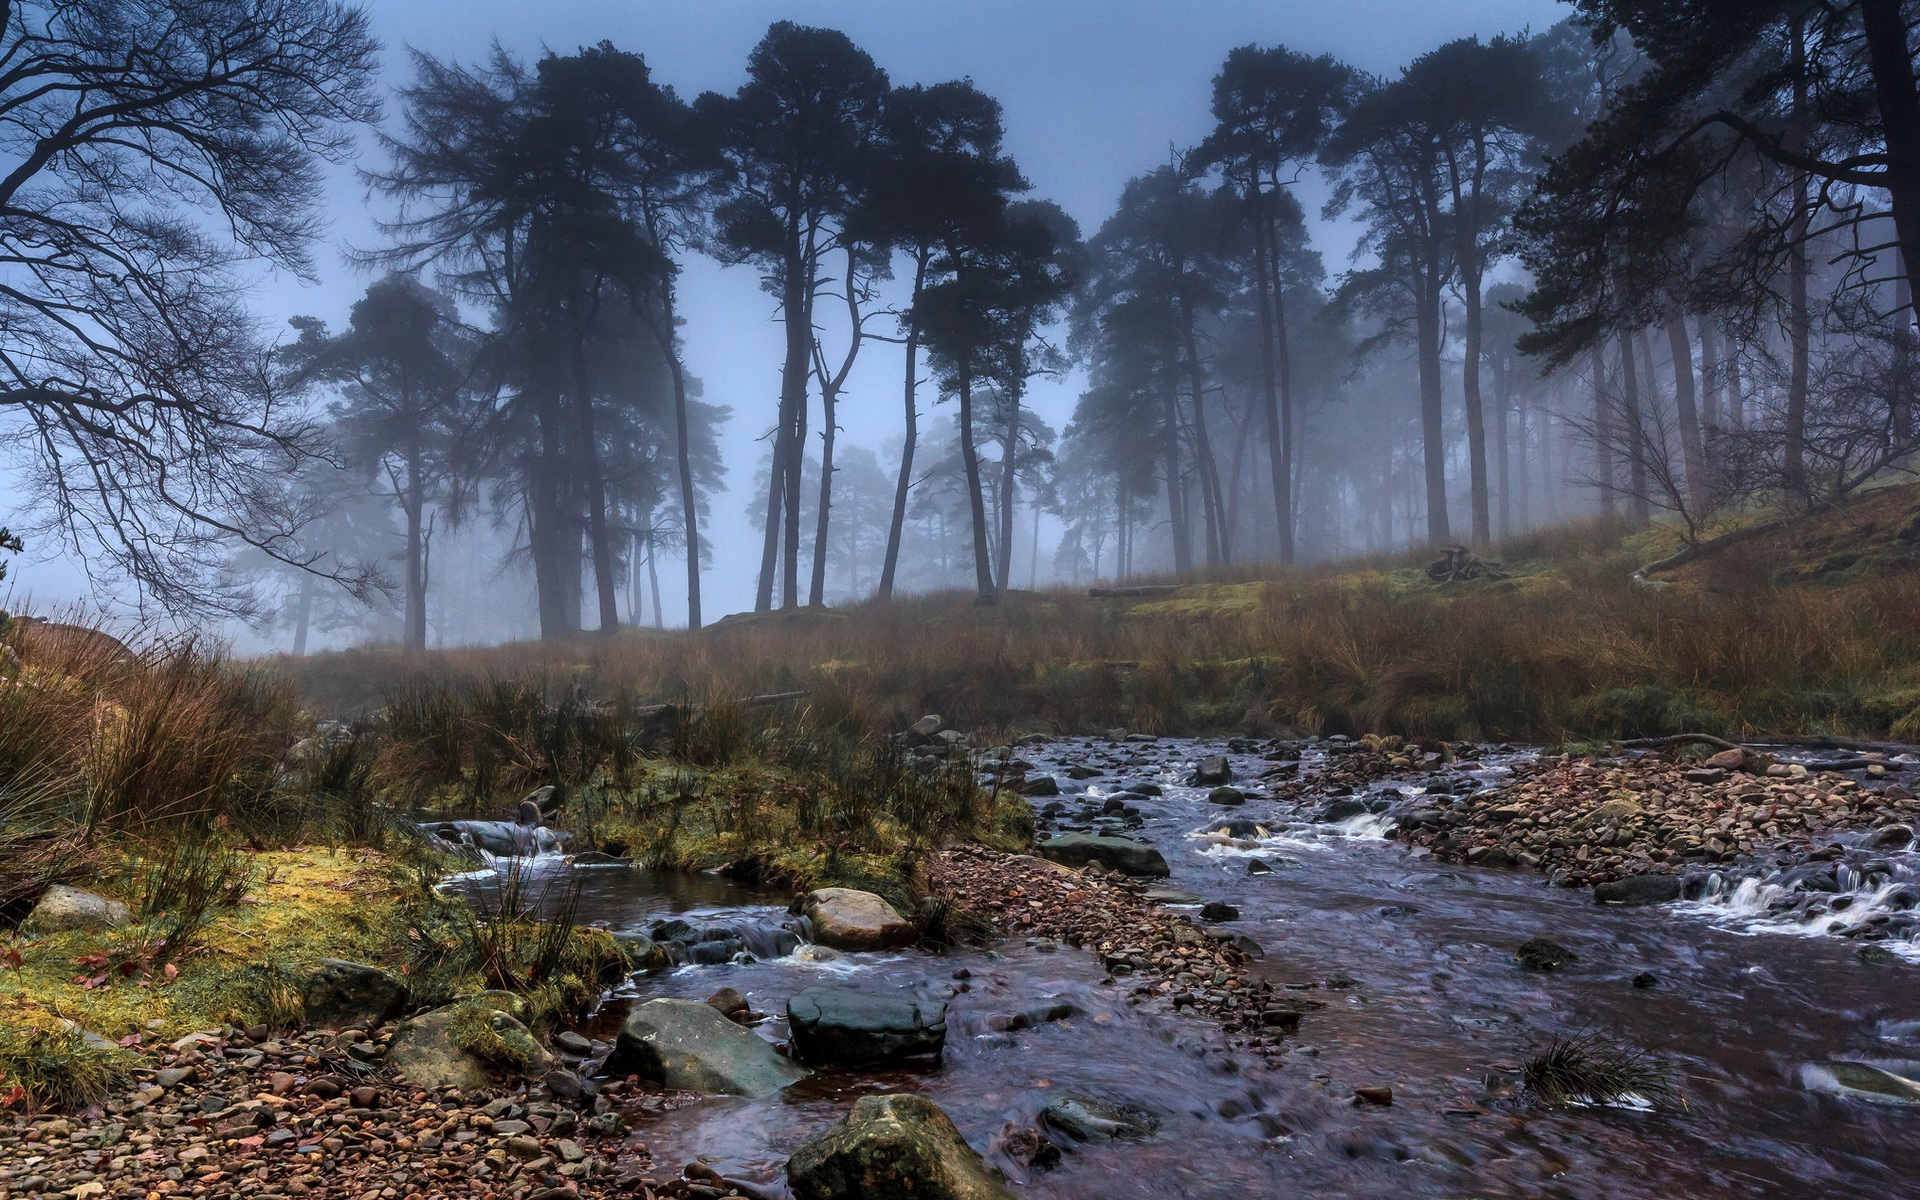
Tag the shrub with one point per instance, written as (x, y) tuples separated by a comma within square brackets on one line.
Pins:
[(48, 1062)]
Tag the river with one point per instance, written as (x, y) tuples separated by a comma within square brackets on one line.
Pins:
[(1414, 963)]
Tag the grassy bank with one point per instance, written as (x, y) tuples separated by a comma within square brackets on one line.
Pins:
[(1813, 630), (244, 841)]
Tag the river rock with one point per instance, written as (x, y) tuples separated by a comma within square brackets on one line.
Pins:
[(1543, 954), (1211, 771), (847, 919), (891, 1148), (848, 1027), (644, 955), (1089, 1119), (1341, 810), (1890, 837), (63, 909), (1041, 785), (1118, 854), (502, 838), (687, 1046), (1219, 910), (1868, 1082), (1638, 889), (422, 1053), (349, 995), (1226, 795)]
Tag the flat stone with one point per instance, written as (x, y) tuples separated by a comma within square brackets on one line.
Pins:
[(686, 1045)]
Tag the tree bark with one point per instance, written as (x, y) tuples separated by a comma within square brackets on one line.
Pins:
[(1603, 466), (1635, 436), (1432, 417), (1275, 381), (976, 499), (904, 484), (1687, 415), (683, 459), (1890, 57), (598, 538)]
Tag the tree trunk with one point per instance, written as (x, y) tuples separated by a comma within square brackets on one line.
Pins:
[(1793, 450), (1273, 353), (1900, 415), (665, 334), (598, 539), (1432, 417), (904, 484), (1178, 520), (1220, 545), (303, 615), (1603, 435), (976, 499), (1470, 386), (547, 526), (783, 480), (1686, 414), (1009, 466), (1503, 450), (1634, 436), (1890, 57)]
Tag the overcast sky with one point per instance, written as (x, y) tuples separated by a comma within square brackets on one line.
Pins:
[(1095, 91)]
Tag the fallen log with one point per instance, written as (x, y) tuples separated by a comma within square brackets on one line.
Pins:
[(1134, 591)]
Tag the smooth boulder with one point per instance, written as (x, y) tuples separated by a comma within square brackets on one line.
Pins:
[(687, 1046), (896, 1147), (1116, 854), (846, 919), (1089, 1119), (349, 995), (63, 909), (423, 1054), (503, 839), (851, 1028)]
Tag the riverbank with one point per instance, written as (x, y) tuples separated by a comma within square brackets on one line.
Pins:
[(1809, 630)]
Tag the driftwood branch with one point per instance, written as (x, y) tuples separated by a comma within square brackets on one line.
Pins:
[(1134, 592)]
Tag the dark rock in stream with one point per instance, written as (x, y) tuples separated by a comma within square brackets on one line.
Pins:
[(1218, 910), (1341, 810), (1542, 954), (889, 1147), (1211, 771), (1226, 795), (1256, 866), (1117, 854), (1638, 889), (851, 1028), (1041, 785)]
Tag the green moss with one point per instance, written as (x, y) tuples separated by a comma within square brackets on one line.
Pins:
[(55, 1063), (492, 1035)]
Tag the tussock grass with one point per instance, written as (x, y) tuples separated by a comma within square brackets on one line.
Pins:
[(1591, 1069), (49, 1063)]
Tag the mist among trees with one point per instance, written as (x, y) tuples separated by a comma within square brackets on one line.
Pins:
[(1647, 264)]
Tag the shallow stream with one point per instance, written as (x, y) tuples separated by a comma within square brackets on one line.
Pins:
[(1413, 961)]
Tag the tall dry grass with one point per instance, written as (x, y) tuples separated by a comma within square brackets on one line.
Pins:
[(1569, 648)]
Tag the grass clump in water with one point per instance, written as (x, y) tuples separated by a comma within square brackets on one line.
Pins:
[(1588, 1068)]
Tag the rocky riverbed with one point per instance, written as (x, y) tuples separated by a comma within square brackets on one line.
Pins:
[(1228, 969)]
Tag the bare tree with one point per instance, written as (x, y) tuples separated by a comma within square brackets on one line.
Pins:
[(154, 152)]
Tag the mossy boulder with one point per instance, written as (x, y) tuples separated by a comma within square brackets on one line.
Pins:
[(346, 995), (466, 1044), (687, 1046), (892, 1148)]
